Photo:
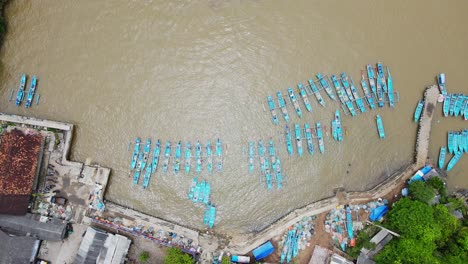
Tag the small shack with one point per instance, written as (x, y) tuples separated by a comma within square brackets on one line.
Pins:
[(263, 251), (380, 240)]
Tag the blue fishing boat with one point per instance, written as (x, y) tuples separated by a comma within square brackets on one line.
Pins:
[(380, 93), (198, 156), (308, 134), (341, 94), (367, 93), (209, 157), (271, 151), (196, 192), (465, 111), (192, 189), (446, 106), (156, 153), (282, 105), (201, 192), (219, 154), (167, 155), (465, 135), (20, 95), (358, 100), (313, 88), (269, 181), (349, 223), (212, 216), (418, 111), (324, 83), (381, 77), (261, 155), (251, 156), (453, 100), (279, 176), (458, 104), (146, 152), (178, 153), (441, 81), (371, 77), (339, 129), (287, 133), (303, 94), (206, 196), (294, 102), (32, 90), (297, 129), (391, 96), (147, 176), (450, 142), (380, 126), (136, 150), (454, 160), (188, 157), (272, 107), (442, 154), (349, 94), (136, 175), (319, 132)]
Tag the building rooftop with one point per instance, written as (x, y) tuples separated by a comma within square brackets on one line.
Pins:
[(55, 230), (17, 249)]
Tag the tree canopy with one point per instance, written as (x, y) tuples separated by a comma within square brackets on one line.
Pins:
[(176, 256)]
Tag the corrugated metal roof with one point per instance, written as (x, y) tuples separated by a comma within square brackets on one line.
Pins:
[(28, 225), (17, 249)]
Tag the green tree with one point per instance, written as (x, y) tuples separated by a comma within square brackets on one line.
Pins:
[(447, 223), (422, 192), (439, 186), (225, 260), (144, 257), (176, 256)]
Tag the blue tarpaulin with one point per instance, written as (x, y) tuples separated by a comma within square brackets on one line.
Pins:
[(263, 251), (378, 212)]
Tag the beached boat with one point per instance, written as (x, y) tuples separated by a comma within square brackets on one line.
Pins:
[(381, 77), (207, 192), (209, 157), (146, 152), (201, 192), (269, 181), (167, 155), (279, 175), (251, 156), (261, 155), (458, 105), (297, 129), (339, 91), (212, 216), (198, 156), (136, 174), (192, 189), (313, 88), (358, 99), (319, 133), (442, 154), (418, 111), (188, 157), (453, 100), (391, 96), (136, 150), (147, 176), (197, 192), (325, 85), (156, 153), (271, 151), (349, 223), (446, 106), (339, 129), (294, 102), (32, 90), (371, 77), (441, 81), (219, 154), (287, 133), (282, 105), (178, 153), (454, 160), (308, 134), (272, 107), (380, 126), (367, 93), (303, 94), (20, 94), (450, 142)]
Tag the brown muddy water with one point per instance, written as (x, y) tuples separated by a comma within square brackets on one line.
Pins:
[(202, 69)]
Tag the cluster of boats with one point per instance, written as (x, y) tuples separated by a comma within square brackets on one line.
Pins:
[(377, 84), (457, 144), (200, 192), (21, 92), (309, 135), (456, 105), (269, 171), (141, 158), (291, 244)]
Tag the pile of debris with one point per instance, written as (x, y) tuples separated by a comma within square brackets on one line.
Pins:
[(296, 238)]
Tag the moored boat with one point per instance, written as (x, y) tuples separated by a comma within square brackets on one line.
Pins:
[(325, 85), (294, 102), (269, 181), (319, 132), (381, 77), (418, 111), (308, 134), (450, 142), (192, 189), (147, 176), (339, 91), (297, 129), (339, 130), (287, 133), (441, 81), (453, 100), (446, 106), (136, 174), (209, 157), (212, 216), (367, 93), (251, 156), (442, 154), (261, 155), (380, 126), (380, 93), (32, 90), (334, 132), (178, 153), (272, 107), (219, 154), (458, 105), (282, 105), (188, 157), (136, 150), (207, 192), (156, 153), (279, 176), (146, 152), (355, 93), (271, 151), (303, 94), (371, 77), (316, 92), (167, 155), (454, 160), (391, 96), (465, 111), (198, 156), (349, 94), (20, 94)]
